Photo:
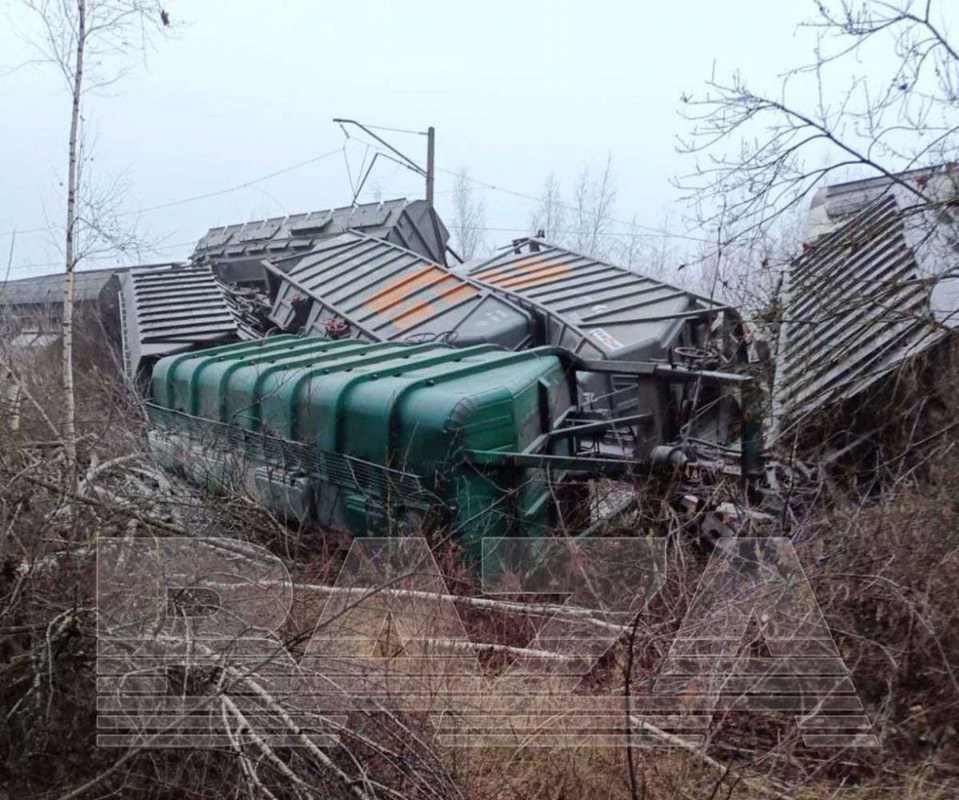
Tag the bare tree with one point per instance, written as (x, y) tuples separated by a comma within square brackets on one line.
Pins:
[(550, 215), (878, 97), (589, 226), (594, 204), (632, 248), (852, 108), (88, 42), (469, 217)]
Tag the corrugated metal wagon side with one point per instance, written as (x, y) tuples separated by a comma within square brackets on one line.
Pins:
[(861, 302), (602, 312), (362, 286), (237, 252), (167, 310), (362, 435)]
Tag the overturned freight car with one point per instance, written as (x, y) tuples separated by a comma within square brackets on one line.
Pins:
[(365, 436), (611, 316), (236, 253), (390, 391), (874, 297), (154, 311), (357, 285), (386, 436)]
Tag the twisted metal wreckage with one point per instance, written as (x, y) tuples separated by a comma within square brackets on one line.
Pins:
[(337, 366)]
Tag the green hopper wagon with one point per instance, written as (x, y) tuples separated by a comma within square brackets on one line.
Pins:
[(370, 437)]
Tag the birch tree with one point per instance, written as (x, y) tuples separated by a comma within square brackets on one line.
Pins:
[(90, 43)]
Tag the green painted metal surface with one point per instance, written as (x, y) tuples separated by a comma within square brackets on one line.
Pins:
[(413, 409)]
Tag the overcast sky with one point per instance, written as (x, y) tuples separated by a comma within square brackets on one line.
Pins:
[(515, 90)]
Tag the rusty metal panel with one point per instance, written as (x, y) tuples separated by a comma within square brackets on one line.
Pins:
[(384, 292), (863, 300)]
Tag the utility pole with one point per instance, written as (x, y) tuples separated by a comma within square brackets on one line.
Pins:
[(400, 158), (430, 163)]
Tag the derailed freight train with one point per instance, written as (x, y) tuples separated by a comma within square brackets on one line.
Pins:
[(366, 385), (534, 294), (384, 437)]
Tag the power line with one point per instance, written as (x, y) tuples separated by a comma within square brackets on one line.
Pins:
[(532, 198), (565, 232), (299, 165), (167, 250), (633, 227), (523, 195), (196, 197), (245, 185), (396, 130)]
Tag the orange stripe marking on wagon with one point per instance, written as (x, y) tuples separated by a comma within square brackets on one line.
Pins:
[(400, 289)]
